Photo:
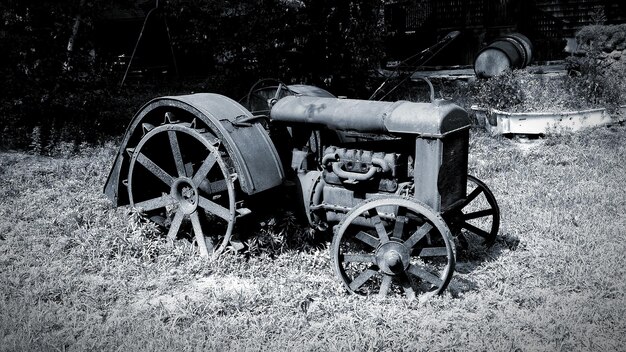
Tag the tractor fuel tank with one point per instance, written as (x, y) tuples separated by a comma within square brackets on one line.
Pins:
[(429, 120)]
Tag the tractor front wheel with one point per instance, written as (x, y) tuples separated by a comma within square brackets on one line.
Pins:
[(393, 246)]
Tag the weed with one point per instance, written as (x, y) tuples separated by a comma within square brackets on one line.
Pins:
[(522, 91)]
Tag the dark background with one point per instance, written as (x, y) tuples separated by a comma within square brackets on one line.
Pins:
[(63, 63)]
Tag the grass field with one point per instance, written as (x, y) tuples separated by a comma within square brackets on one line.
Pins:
[(77, 274)]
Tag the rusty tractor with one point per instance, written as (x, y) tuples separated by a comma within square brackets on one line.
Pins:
[(389, 179)]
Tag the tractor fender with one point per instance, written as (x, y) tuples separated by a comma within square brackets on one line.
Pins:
[(252, 152)]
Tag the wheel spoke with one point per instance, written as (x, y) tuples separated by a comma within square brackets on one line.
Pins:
[(405, 281), (425, 275), (178, 157), (477, 191), (204, 244), (362, 279), (278, 91), (359, 258), (214, 208), (476, 230), (367, 239), (380, 227), (478, 214), (385, 285), (175, 225), (418, 235), (155, 169), (489, 214), (433, 252), (155, 203), (203, 171), (398, 228)]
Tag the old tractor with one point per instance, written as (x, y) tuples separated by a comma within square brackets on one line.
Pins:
[(389, 179)]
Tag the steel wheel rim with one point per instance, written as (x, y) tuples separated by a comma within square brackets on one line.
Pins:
[(394, 265), (483, 222), (187, 187)]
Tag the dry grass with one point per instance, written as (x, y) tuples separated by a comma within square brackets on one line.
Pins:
[(78, 275)]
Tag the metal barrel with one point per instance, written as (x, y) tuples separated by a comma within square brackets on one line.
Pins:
[(510, 51)]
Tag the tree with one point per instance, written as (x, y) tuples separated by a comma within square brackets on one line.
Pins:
[(308, 41)]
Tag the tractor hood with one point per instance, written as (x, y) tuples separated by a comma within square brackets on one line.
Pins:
[(435, 120)]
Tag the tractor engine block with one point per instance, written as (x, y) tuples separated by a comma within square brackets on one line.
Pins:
[(364, 170), (352, 175)]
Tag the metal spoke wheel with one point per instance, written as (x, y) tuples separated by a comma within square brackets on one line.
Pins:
[(393, 246), (179, 178), (478, 218)]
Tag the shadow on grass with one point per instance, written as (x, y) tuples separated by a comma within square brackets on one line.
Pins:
[(471, 258)]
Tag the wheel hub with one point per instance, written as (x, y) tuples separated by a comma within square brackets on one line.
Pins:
[(393, 257), (186, 193)]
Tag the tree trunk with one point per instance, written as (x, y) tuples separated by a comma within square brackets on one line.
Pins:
[(70, 43)]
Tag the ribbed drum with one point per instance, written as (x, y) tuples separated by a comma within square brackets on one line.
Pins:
[(507, 52)]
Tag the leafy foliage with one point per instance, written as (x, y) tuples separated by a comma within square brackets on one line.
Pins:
[(71, 92), (54, 89), (307, 41), (607, 38), (597, 84)]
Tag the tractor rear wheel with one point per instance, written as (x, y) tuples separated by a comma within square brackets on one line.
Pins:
[(180, 178)]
